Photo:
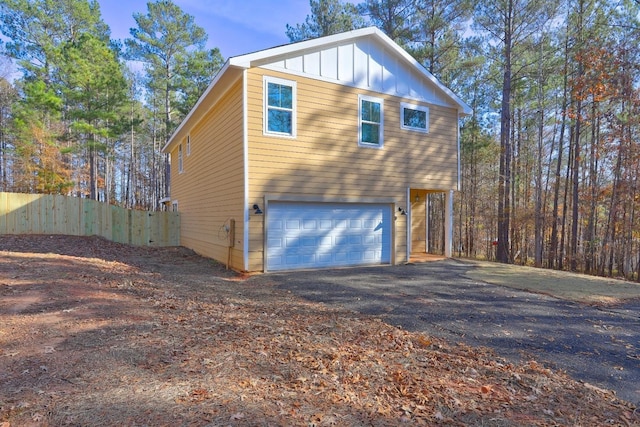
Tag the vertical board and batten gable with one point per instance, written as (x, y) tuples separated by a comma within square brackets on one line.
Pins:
[(210, 190), (365, 64)]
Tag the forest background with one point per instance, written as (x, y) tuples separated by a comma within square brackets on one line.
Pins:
[(550, 158)]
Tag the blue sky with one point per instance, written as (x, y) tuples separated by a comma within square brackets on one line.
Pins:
[(236, 27)]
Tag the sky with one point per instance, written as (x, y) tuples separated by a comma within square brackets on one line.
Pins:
[(236, 27)]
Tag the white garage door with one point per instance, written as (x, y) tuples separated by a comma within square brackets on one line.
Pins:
[(316, 235)]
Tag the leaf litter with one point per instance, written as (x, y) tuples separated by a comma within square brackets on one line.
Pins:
[(98, 333)]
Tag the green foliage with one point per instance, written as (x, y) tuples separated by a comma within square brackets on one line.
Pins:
[(72, 87), (396, 18), (163, 35), (438, 35), (93, 85), (35, 28), (166, 40), (36, 129), (196, 74), (327, 17)]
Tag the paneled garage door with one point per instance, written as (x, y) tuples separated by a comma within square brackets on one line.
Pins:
[(317, 235)]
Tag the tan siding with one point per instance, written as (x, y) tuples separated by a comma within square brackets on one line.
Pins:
[(325, 157), (256, 237), (210, 191), (256, 261), (401, 238)]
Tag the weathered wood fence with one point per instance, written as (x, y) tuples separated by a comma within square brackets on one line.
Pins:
[(51, 214)]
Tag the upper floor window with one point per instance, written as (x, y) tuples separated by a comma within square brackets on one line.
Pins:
[(188, 145), (414, 117), (280, 107), (371, 121), (180, 169)]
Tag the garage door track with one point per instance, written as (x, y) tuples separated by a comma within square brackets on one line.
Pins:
[(597, 345)]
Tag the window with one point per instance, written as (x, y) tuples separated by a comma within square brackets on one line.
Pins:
[(370, 118), (188, 145), (280, 107), (174, 206), (180, 158), (414, 117)]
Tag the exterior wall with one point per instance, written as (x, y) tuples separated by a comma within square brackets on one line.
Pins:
[(210, 190), (325, 163)]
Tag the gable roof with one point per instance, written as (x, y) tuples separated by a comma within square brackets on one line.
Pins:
[(365, 58)]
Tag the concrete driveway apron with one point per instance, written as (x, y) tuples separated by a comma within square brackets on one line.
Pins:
[(600, 346)]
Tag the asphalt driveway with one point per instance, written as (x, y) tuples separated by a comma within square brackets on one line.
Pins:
[(599, 345)]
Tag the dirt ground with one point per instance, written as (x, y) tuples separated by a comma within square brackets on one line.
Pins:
[(97, 333)]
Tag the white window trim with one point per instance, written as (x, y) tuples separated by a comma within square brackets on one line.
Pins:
[(188, 145), (265, 109), (174, 206), (416, 107), (381, 131), (180, 159)]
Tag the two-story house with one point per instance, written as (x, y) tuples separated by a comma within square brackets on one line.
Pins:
[(316, 154)]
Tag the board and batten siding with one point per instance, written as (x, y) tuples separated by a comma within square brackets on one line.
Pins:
[(210, 190), (324, 162)]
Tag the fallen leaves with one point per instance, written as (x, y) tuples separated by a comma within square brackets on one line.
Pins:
[(189, 346)]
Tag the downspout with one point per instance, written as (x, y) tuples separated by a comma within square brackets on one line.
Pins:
[(458, 153), (245, 154)]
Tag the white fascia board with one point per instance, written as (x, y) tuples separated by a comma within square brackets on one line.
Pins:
[(267, 55)]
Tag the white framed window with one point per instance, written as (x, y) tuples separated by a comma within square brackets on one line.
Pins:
[(279, 107), (414, 117), (370, 121), (180, 168), (174, 206), (188, 145)]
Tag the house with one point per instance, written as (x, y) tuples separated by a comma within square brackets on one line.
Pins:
[(316, 154)]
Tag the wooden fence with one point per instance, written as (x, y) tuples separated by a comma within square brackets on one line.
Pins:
[(50, 214)]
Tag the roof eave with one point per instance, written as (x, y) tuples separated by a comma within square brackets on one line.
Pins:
[(249, 60)]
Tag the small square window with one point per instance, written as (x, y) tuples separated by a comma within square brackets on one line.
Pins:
[(414, 117), (371, 122), (280, 107)]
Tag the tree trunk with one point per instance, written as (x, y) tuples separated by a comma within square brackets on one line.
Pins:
[(575, 195), (553, 251), (504, 181), (589, 234), (93, 184)]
